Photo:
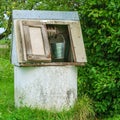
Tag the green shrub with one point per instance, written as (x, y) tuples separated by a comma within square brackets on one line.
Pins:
[(116, 117), (100, 78), (102, 84)]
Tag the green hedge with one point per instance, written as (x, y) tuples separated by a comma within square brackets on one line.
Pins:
[(100, 78)]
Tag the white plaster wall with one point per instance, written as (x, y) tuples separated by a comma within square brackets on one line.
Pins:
[(51, 87)]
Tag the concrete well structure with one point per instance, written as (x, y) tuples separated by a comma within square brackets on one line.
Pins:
[(39, 83)]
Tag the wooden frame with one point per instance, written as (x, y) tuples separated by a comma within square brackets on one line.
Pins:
[(29, 36), (76, 38), (27, 53)]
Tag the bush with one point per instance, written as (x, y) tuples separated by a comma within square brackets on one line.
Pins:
[(100, 78), (102, 84), (116, 117)]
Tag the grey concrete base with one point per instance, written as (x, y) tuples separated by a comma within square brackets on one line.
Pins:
[(51, 87)]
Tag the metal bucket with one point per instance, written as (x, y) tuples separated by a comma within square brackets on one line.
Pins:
[(58, 49)]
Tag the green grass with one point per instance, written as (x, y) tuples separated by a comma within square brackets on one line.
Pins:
[(9, 112), (7, 109)]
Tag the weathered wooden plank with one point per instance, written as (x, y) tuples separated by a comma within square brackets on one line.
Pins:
[(46, 42), (18, 41), (77, 41), (36, 40), (27, 39), (72, 45), (23, 44), (38, 58), (31, 23), (52, 64)]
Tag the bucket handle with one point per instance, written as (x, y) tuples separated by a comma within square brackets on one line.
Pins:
[(61, 35)]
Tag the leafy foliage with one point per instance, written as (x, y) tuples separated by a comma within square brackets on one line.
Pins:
[(102, 85), (100, 78), (116, 117)]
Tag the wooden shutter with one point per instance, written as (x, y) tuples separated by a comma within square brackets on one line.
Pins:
[(77, 43), (35, 41)]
